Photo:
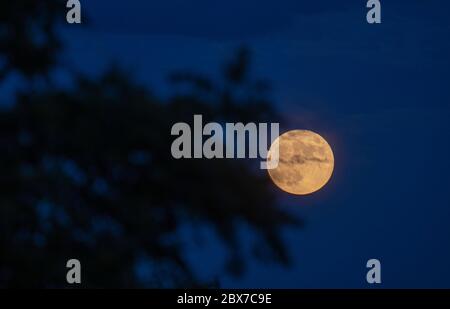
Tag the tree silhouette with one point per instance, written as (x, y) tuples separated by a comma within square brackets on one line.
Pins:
[(28, 40), (88, 172)]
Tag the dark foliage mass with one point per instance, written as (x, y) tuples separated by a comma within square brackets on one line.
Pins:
[(88, 172)]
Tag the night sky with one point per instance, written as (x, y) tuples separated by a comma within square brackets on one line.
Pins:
[(379, 94)]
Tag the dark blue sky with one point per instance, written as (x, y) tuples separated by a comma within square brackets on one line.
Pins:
[(378, 93)]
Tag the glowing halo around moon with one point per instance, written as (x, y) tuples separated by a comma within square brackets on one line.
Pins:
[(306, 162)]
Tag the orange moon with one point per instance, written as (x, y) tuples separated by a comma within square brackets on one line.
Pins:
[(306, 162)]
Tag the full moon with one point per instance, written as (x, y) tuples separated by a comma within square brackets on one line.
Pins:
[(306, 162)]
